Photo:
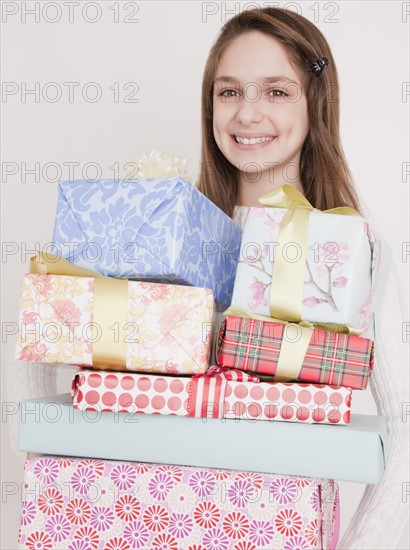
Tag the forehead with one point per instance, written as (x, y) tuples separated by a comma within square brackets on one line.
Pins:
[(254, 56)]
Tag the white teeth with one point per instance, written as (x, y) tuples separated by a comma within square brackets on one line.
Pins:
[(252, 141)]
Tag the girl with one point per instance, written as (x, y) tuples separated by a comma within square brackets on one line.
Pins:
[(295, 127), (270, 116)]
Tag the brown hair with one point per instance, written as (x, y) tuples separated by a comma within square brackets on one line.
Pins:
[(324, 173)]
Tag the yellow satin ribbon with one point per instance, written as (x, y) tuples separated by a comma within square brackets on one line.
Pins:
[(286, 294), (329, 327), (292, 351), (109, 309)]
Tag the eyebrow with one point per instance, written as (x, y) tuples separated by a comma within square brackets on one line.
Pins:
[(264, 79)]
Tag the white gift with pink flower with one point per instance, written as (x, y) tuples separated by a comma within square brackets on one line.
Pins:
[(337, 280)]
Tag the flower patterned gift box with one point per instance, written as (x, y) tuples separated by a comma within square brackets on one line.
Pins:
[(323, 267), (162, 229), (166, 328), (86, 504), (220, 393)]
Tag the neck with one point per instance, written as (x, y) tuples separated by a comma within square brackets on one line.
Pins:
[(250, 189)]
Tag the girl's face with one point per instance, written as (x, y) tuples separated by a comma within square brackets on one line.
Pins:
[(258, 94)]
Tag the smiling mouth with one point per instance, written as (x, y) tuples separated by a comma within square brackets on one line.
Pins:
[(250, 144), (253, 141)]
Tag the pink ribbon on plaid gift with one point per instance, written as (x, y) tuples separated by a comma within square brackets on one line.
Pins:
[(207, 391)]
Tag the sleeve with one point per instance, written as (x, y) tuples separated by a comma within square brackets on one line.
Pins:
[(381, 520), (25, 380)]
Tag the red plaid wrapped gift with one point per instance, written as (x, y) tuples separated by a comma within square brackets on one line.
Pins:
[(331, 358), (220, 393)]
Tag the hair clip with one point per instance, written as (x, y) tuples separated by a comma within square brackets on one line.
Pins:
[(317, 65)]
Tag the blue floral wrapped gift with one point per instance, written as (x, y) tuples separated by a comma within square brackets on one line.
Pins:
[(162, 229)]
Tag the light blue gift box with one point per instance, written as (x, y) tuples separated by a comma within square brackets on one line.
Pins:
[(160, 229), (356, 452)]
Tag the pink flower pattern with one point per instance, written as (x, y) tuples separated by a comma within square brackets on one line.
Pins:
[(160, 485), (258, 299), (30, 317), (261, 532), (89, 535), (66, 517), (284, 490), (203, 483), (97, 466), (180, 525), (28, 513), (329, 258), (102, 518), (79, 544), (241, 492), (215, 539), (117, 543), (245, 545), (51, 501), (136, 534), (43, 283), (288, 522), (124, 476), (46, 469), (33, 352), (252, 477), (296, 543), (315, 499), (207, 515), (174, 471), (64, 462), (39, 540), (78, 511), (164, 541), (236, 525), (66, 311), (127, 508), (58, 528), (82, 479), (156, 518), (312, 532)]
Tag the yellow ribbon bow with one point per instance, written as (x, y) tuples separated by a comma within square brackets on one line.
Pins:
[(286, 293)]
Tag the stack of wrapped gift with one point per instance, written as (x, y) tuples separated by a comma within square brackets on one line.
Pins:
[(144, 346), (302, 305)]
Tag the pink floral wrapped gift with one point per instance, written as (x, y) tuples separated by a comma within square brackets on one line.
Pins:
[(144, 326), (220, 393), (88, 504), (297, 263)]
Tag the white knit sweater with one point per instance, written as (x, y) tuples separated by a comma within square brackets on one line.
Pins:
[(381, 519)]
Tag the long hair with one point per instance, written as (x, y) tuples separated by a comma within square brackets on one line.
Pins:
[(324, 172)]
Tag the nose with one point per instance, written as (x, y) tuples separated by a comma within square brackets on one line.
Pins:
[(249, 110)]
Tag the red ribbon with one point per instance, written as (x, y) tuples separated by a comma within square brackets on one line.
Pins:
[(207, 391)]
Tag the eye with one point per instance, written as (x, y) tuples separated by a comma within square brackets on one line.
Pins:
[(278, 93), (228, 93)]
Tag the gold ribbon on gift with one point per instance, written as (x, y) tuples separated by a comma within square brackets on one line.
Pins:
[(286, 294), (109, 307), (293, 350)]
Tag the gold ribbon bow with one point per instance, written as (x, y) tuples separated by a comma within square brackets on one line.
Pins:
[(293, 350), (286, 294), (109, 306)]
